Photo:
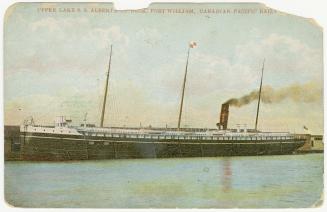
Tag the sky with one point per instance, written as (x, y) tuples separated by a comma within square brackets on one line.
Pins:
[(55, 63)]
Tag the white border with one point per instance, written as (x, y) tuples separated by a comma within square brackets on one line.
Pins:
[(315, 9)]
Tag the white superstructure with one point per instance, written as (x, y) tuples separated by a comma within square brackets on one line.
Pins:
[(61, 127)]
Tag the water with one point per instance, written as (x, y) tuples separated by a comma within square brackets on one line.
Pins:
[(229, 182)]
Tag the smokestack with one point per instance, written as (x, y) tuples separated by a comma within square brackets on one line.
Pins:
[(224, 115)]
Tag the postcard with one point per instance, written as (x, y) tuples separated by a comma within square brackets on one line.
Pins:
[(211, 105)]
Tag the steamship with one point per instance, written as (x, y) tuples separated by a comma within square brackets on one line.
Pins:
[(63, 141)]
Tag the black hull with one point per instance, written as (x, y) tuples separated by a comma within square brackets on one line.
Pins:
[(59, 148)]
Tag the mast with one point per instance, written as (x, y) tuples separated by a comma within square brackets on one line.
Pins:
[(258, 107), (85, 120), (106, 90), (191, 45), (183, 91)]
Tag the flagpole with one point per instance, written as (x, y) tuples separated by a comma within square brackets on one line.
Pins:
[(183, 91)]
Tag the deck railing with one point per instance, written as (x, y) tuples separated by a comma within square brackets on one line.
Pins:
[(192, 137)]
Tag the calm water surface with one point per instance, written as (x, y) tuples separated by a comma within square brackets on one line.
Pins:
[(227, 182)]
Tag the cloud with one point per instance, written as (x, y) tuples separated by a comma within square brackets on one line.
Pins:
[(55, 24), (148, 66), (50, 23), (151, 36), (104, 36), (58, 41), (128, 109), (207, 73), (284, 55)]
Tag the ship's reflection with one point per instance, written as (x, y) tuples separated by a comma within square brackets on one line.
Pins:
[(227, 175)]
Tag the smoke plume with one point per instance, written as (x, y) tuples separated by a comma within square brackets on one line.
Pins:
[(308, 92)]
